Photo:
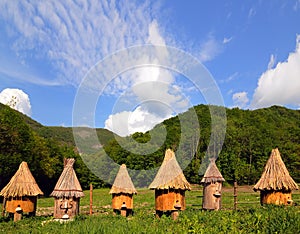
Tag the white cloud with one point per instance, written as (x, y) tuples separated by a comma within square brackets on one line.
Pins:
[(280, 85), (73, 36), (154, 35), (210, 49), (154, 94), (240, 99), (230, 78), (16, 99), (272, 61), (127, 122), (227, 40)]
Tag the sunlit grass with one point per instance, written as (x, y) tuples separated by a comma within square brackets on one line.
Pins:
[(250, 217)]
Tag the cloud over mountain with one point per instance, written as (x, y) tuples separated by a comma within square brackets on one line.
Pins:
[(16, 99), (280, 85)]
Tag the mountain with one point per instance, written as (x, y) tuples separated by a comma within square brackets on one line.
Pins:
[(250, 137), (43, 148)]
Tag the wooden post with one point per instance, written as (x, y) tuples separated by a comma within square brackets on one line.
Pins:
[(235, 195), (123, 210), (18, 214), (91, 199), (175, 214)]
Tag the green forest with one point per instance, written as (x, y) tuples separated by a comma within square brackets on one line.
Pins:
[(250, 137)]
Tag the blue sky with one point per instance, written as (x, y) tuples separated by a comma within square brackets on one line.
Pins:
[(251, 49)]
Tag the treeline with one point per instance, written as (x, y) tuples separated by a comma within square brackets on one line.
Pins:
[(250, 137), (20, 140)]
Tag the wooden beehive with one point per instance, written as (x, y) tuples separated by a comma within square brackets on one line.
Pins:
[(170, 185), (212, 187), (122, 192), (275, 184), (21, 191), (67, 192)]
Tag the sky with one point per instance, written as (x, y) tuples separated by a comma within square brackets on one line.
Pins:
[(48, 48)]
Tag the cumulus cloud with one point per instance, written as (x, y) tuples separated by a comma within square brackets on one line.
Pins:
[(72, 36), (151, 90), (280, 85), (16, 99), (240, 99), (127, 122)]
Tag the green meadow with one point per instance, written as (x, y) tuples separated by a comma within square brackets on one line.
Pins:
[(250, 216)]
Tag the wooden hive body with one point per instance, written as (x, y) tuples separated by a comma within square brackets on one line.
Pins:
[(67, 192), (212, 187), (275, 184)]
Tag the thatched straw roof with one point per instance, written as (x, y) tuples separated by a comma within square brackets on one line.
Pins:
[(170, 174), (21, 184), (275, 176), (68, 184), (123, 182), (212, 174)]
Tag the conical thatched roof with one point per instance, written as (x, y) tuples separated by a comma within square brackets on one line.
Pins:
[(275, 176), (212, 174), (68, 184), (21, 184), (123, 182), (170, 174)]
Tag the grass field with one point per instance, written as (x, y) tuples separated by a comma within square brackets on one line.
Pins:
[(249, 218)]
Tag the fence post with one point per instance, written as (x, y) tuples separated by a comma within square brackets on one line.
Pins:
[(91, 199), (235, 195)]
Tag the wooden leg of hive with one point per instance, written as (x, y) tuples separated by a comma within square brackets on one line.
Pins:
[(17, 216), (175, 214), (124, 212)]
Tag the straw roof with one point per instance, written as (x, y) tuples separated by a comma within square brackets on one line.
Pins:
[(275, 175), (21, 184), (68, 184), (212, 174), (170, 174), (123, 182)]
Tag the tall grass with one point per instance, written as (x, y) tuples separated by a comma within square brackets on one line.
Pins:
[(250, 218)]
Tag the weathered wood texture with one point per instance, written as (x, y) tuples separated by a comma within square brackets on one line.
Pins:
[(119, 199), (212, 196), (166, 199), (69, 206), (27, 204), (276, 197)]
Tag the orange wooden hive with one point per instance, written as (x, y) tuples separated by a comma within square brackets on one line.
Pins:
[(275, 184), (67, 192), (170, 185), (122, 192), (212, 187), (21, 191)]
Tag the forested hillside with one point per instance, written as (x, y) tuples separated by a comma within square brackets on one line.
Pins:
[(250, 136), (43, 148)]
